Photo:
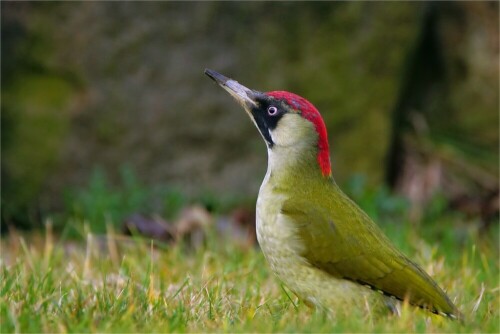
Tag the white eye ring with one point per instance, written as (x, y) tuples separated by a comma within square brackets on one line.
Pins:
[(272, 111)]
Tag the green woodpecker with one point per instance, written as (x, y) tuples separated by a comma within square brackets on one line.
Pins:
[(316, 239)]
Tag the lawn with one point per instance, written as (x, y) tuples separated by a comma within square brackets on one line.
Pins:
[(111, 283)]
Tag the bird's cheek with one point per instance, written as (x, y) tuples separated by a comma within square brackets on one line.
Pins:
[(291, 130)]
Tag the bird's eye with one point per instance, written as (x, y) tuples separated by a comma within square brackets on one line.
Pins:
[(272, 110)]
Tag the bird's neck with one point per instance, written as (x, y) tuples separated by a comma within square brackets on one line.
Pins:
[(294, 165)]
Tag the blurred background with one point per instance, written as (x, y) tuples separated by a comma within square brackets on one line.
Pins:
[(108, 117)]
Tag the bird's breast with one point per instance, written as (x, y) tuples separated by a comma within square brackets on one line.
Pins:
[(276, 234)]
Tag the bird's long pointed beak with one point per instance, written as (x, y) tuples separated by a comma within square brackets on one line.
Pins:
[(242, 94)]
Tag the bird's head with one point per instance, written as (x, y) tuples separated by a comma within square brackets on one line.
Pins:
[(285, 120)]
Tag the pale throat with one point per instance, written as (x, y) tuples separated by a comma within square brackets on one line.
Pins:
[(292, 161)]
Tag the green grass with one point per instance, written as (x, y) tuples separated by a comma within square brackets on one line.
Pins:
[(107, 283)]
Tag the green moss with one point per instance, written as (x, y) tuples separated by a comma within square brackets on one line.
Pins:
[(37, 107)]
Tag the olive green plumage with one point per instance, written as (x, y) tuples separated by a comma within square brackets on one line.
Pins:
[(339, 238), (317, 240)]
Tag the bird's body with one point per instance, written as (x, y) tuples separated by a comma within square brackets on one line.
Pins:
[(317, 240), (279, 236), (316, 250)]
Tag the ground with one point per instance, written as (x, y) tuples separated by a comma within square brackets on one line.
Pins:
[(109, 283)]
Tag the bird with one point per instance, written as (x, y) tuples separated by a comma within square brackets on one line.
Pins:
[(317, 241)]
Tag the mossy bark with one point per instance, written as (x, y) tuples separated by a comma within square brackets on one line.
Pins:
[(106, 84)]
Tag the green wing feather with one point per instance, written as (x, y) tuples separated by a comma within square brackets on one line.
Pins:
[(342, 240)]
